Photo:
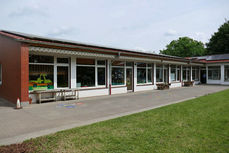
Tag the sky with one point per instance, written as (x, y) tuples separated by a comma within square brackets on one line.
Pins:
[(143, 25)]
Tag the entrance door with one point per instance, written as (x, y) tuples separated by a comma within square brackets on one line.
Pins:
[(203, 76), (129, 78)]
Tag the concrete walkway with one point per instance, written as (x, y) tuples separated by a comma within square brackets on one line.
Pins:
[(41, 119)]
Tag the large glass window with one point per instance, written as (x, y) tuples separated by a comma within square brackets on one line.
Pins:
[(166, 77), (186, 73), (85, 76), (159, 73), (195, 73), (117, 75), (150, 75), (0, 74), (214, 73), (144, 73), (101, 74), (62, 76), (62, 72), (85, 72), (173, 73), (178, 73), (41, 70), (141, 75), (40, 77), (226, 73)]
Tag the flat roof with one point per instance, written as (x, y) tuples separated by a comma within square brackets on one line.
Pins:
[(24, 36)]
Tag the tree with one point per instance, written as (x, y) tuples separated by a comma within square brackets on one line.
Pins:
[(219, 42), (184, 47)]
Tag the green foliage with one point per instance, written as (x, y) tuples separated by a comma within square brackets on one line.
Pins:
[(184, 47), (219, 42)]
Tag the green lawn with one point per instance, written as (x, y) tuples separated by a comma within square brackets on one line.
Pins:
[(198, 125)]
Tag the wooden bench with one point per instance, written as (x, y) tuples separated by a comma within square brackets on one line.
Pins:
[(188, 83), (70, 94), (162, 86), (39, 94)]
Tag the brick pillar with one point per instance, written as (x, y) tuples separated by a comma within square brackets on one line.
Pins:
[(24, 64)]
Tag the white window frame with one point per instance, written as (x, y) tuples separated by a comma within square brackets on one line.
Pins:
[(219, 77), (197, 71), (161, 68), (48, 64), (62, 65), (225, 73), (178, 68), (186, 69), (96, 66), (146, 68), (124, 74)]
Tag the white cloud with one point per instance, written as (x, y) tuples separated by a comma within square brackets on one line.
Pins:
[(171, 32), (151, 25), (61, 31)]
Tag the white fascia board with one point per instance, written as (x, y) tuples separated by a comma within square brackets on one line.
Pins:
[(128, 58), (173, 62), (196, 64), (68, 52)]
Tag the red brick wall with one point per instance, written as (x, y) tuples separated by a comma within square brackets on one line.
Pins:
[(14, 60)]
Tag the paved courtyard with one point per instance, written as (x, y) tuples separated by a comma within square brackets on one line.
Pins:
[(41, 119)]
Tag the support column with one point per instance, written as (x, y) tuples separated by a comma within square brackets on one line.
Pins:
[(169, 72), (73, 72), (24, 65), (154, 73), (222, 74), (191, 73), (181, 75), (135, 76), (55, 73), (109, 76), (206, 74)]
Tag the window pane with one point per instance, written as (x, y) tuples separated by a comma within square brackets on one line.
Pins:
[(166, 75), (85, 61), (141, 75), (62, 76), (40, 77), (149, 75), (178, 74), (193, 74), (101, 62), (101, 76), (117, 76), (85, 76), (214, 72), (62, 60), (226, 72), (184, 75), (159, 74), (41, 59), (173, 73)]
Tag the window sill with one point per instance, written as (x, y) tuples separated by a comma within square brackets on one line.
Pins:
[(144, 84), (175, 82), (118, 86)]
